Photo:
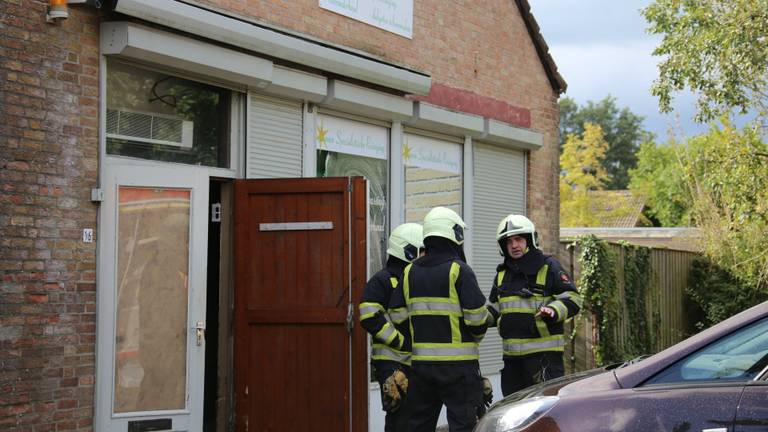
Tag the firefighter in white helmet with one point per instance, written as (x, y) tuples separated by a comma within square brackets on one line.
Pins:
[(531, 297), (441, 299), (390, 348)]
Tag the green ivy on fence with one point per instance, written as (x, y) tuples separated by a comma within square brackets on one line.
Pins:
[(599, 285)]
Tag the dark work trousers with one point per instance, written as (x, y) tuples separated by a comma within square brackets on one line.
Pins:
[(524, 371), (458, 386), (393, 421)]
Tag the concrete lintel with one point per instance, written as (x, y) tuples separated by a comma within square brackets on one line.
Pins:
[(507, 135), (363, 101), (439, 119), (148, 45), (298, 85)]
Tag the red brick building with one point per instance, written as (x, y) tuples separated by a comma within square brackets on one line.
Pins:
[(125, 130)]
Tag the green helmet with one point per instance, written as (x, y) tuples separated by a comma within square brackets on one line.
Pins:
[(405, 242), (444, 222), (513, 225)]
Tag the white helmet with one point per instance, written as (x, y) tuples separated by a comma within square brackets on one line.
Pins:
[(444, 222), (513, 225), (405, 242)]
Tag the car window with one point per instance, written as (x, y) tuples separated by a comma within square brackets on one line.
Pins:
[(740, 356)]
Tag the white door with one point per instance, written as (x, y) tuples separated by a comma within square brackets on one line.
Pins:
[(151, 299)]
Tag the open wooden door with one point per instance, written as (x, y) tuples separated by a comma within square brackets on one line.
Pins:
[(300, 268)]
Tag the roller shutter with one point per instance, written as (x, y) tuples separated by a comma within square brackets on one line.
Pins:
[(274, 139), (499, 189)]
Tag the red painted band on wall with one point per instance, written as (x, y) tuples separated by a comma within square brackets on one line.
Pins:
[(469, 102)]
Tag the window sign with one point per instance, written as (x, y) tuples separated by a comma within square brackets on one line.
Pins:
[(395, 16), (432, 175), (346, 136), (423, 152)]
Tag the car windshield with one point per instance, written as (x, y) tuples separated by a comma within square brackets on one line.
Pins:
[(739, 356)]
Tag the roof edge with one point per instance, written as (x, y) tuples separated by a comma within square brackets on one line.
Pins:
[(542, 49)]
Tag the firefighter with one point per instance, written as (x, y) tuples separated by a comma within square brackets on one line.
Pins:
[(441, 300), (530, 299), (390, 363)]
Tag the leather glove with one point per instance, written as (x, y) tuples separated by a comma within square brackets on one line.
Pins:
[(393, 389), (487, 392)]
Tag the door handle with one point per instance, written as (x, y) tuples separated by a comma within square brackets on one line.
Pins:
[(200, 332)]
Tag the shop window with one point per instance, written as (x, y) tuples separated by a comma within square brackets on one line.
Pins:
[(432, 175), (350, 148), (153, 115)]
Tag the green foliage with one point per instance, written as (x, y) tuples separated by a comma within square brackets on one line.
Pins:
[(581, 172), (727, 173), (718, 294), (716, 48), (599, 285), (659, 177), (622, 130), (637, 269)]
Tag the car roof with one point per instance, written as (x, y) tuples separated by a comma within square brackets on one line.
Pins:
[(635, 374)]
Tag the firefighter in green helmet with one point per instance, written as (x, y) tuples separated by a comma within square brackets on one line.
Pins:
[(531, 297), (441, 299), (390, 347)]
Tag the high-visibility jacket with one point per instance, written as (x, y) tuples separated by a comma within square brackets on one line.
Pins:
[(520, 287), (441, 300), (388, 343)]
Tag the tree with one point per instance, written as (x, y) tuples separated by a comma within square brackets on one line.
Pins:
[(659, 178), (622, 130), (718, 49), (727, 174), (582, 171)]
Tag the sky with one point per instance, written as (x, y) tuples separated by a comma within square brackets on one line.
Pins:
[(601, 48)]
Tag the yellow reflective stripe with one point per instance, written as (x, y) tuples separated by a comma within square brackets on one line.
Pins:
[(541, 276), (518, 304), (445, 352), (393, 281), (455, 330), (560, 309), (406, 287), (445, 300), (367, 310), (527, 346), (453, 276), (475, 317), (387, 333), (572, 296), (542, 327), (398, 315), (383, 352), (500, 277)]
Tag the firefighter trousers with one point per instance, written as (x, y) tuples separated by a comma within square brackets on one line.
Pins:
[(458, 386), (524, 371)]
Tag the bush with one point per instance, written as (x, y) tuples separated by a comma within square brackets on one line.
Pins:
[(718, 294)]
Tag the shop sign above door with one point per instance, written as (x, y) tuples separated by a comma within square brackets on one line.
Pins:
[(395, 16)]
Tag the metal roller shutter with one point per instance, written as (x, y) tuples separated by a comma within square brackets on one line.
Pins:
[(499, 189), (274, 141)]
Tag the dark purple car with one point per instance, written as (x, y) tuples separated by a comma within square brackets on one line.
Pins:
[(715, 381)]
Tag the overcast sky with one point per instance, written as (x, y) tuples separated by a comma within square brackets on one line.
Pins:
[(601, 48)]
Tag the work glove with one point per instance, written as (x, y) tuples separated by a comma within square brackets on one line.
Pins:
[(487, 392), (393, 390)]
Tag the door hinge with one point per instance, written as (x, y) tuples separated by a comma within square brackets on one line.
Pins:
[(350, 317), (216, 212)]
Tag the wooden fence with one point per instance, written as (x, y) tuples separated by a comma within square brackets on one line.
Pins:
[(666, 315)]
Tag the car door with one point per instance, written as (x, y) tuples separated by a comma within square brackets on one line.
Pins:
[(752, 414)]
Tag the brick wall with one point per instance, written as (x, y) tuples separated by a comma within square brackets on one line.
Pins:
[(479, 46), (48, 164)]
